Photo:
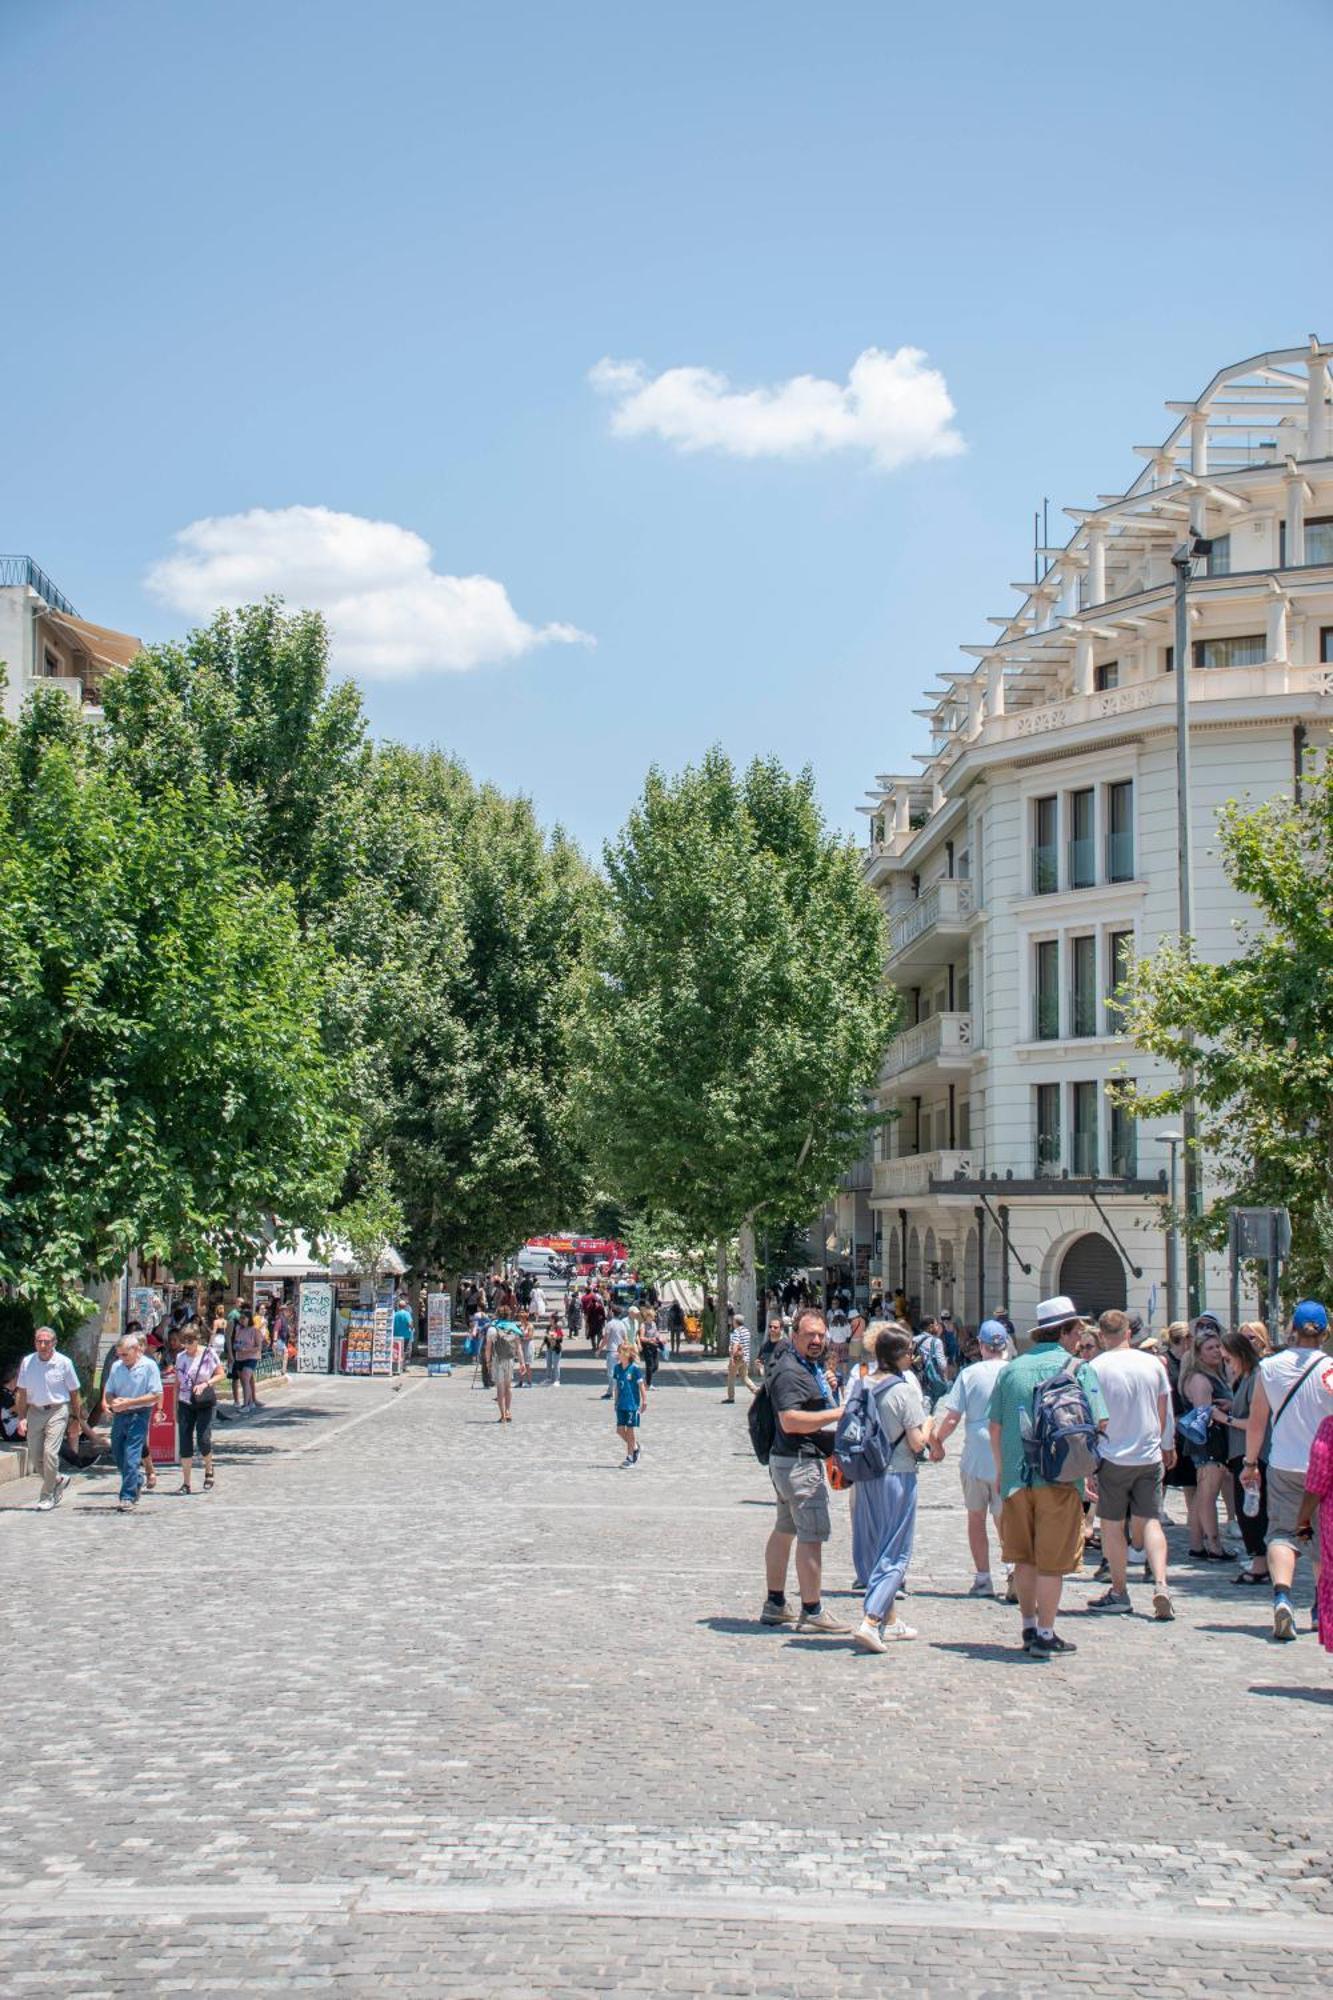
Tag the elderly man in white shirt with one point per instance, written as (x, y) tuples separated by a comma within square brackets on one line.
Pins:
[(47, 1395)]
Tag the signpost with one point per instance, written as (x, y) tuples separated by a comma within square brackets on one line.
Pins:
[(1259, 1236), (314, 1328), (439, 1333)]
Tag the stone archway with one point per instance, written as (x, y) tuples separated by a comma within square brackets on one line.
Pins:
[(1092, 1274)]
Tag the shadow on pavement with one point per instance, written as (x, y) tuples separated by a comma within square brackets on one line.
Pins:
[(1324, 1696)]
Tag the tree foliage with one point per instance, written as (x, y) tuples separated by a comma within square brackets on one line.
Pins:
[(1258, 1029), (164, 1084), (740, 1017)]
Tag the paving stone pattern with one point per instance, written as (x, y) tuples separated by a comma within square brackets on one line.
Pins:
[(419, 1702)]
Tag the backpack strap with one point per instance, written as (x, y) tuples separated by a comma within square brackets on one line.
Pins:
[(1302, 1378)]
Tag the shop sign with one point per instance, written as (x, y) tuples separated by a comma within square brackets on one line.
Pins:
[(314, 1328)]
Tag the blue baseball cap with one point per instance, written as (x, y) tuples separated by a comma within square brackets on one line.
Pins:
[(993, 1333), (1309, 1313)]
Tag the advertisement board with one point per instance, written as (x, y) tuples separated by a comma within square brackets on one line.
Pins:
[(381, 1340), (314, 1327)]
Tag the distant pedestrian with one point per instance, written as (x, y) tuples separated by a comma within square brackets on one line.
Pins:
[(1295, 1392), (553, 1341), (133, 1393), (501, 1349), (618, 1330), (245, 1344), (1041, 1521), (968, 1402), (738, 1360), (805, 1410), (46, 1393), (197, 1372), (627, 1382), (523, 1367), (651, 1347), (404, 1326), (676, 1325)]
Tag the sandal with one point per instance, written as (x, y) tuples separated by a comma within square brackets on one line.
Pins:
[(1252, 1582), (183, 1488), (208, 1482)]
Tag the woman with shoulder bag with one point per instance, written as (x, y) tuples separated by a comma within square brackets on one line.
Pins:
[(1205, 1431), (197, 1370)]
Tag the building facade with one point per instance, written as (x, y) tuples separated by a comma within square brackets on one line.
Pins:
[(43, 640), (1033, 855)]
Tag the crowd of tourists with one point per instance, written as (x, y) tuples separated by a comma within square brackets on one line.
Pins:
[(1069, 1445)]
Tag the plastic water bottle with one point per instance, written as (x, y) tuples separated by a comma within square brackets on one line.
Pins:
[(1250, 1504)]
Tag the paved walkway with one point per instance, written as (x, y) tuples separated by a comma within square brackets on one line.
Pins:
[(416, 1704)]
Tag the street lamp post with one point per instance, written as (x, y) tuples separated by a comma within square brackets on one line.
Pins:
[(1173, 1140), (1182, 562)]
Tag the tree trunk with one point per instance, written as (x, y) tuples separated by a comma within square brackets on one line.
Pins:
[(721, 1344), (747, 1298)]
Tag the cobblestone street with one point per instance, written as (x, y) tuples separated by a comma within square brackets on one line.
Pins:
[(414, 1703)]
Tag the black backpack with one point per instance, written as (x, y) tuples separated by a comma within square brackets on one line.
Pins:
[(763, 1423)]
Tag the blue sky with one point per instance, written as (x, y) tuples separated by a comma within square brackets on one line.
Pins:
[(362, 258)]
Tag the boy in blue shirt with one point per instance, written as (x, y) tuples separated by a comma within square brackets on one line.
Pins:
[(627, 1382)]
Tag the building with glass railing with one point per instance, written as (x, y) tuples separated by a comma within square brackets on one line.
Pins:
[(1033, 853), (44, 642)]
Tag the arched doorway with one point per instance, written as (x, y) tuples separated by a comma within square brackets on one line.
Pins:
[(1092, 1274)]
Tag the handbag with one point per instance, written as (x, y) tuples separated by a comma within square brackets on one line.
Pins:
[(205, 1398)]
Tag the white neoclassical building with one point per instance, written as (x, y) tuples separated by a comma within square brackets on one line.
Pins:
[(1034, 852)]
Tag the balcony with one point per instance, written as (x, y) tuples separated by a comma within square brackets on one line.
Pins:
[(944, 1041), (22, 573), (913, 1173), (928, 933)]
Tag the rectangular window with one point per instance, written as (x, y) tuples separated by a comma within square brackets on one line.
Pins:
[(1120, 831), (1082, 857), (1106, 676), (1048, 1128), (1248, 651), (1083, 986), (965, 1125), (1045, 849), (1119, 961), (1046, 987), (1325, 645), (1219, 562), (963, 991), (1318, 541), (1124, 1137), (1085, 1099)]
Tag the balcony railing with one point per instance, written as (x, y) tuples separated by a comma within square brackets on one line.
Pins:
[(943, 1038), (1045, 870), (914, 1172), (948, 902), (21, 572)]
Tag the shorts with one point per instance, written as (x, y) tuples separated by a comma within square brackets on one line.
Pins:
[(502, 1374), (802, 1493), (1043, 1526), (627, 1420), (1129, 1489), (238, 1367), (1285, 1492), (194, 1426), (980, 1495)]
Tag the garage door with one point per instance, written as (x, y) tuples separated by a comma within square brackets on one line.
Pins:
[(1092, 1274)]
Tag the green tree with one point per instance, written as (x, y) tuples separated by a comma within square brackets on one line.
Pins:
[(740, 1014), (164, 1085), (1262, 1029)]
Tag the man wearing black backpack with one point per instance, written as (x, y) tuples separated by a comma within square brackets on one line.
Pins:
[(1041, 1518), (805, 1411)]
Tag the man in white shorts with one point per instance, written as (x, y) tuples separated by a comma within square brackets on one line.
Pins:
[(968, 1402), (1295, 1388), (1138, 1447)]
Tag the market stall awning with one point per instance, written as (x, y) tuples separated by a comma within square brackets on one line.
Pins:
[(332, 1260)]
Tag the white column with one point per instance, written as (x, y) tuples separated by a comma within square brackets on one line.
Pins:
[(1163, 469), (994, 689), (1277, 628), (1096, 563), (975, 691), (1295, 519), (1316, 420), (1199, 444), (902, 810), (1083, 663)]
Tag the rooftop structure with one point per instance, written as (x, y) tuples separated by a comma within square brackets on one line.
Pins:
[(43, 640)]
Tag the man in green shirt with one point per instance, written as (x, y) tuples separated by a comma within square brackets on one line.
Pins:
[(1041, 1526)]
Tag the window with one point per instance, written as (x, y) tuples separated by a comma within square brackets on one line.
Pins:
[(1120, 831), (1046, 1013), (1218, 563), (1106, 676), (1045, 851), (1119, 964), (1048, 1128), (1248, 651), (1124, 1138), (965, 1125), (1083, 986), (1085, 1097), (1082, 859), (963, 992), (1318, 541), (1325, 645), (50, 664)]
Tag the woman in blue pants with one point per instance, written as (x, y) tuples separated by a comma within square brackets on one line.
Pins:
[(884, 1519)]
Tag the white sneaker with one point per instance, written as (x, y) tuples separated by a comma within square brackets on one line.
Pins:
[(983, 1587), (898, 1628), (866, 1637), (45, 1505)]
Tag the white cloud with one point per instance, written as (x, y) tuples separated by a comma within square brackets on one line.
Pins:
[(893, 406), (390, 612)]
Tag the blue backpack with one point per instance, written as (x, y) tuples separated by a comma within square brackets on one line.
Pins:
[(860, 1442), (1061, 1437)]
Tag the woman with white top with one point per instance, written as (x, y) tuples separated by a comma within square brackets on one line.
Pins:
[(884, 1520)]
